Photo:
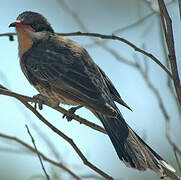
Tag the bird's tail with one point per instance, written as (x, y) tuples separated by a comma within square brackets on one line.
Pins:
[(131, 149)]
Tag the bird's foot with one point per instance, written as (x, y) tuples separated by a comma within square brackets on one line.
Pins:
[(70, 113), (40, 101)]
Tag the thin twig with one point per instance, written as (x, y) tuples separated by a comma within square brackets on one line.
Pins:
[(169, 137), (169, 81), (167, 27), (39, 156), (24, 144), (130, 26), (74, 14), (46, 139), (138, 22), (176, 157), (179, 2)]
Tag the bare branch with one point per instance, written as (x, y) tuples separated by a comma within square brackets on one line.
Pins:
[(10, 35), (179, 2), (169, 81), (167, 27), (169, 137), (49, 143), (176, 157), (39, 157), (58, 132), (141, 20), (70, 141), (7, 92), (24, 144), (113, 37), (74, 14)]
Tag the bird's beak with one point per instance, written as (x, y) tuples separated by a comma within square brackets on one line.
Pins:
[(15, 23)]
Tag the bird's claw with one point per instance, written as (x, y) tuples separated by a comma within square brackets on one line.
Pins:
[(40, 101), (70, 113)]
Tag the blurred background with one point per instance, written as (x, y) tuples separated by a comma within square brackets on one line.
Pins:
[(131, 73)]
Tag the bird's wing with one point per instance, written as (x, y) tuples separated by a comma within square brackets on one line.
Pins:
[(70, 71), (112, 89)]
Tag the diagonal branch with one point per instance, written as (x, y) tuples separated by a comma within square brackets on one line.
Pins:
[(81, 120), (138, 22), (70, 141), (37, 152), (57, 131)]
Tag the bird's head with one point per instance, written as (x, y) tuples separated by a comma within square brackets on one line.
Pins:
[(30, 27), (32, 21)]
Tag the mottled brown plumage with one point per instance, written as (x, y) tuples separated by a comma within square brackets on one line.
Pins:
[(63, 71)]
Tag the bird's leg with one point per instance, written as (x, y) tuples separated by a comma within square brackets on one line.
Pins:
[(70, 112), (41, 100)]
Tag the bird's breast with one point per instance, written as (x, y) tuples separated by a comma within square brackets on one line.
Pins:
[(24, 41)]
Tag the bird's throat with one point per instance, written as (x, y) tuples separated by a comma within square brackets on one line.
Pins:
[(25, 41)]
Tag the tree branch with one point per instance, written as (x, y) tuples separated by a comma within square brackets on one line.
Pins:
[(37, 152), (161, 105), (167, 27), (81, 120), (169, 81), (113, 37), (70, 141), (57, 131), (179, 2), (10, 35), (45, 158)]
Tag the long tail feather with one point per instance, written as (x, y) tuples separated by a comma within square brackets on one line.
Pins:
[(131, 149)]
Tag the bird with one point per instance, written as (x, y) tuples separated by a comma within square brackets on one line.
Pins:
[(64, 72)]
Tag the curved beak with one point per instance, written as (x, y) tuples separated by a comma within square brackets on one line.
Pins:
[(15, 23)]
